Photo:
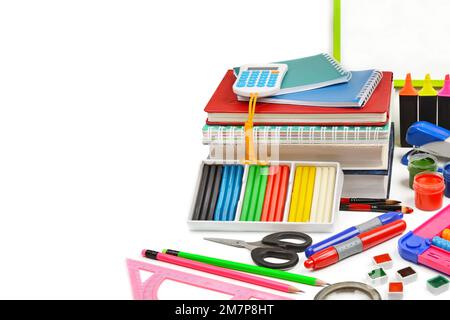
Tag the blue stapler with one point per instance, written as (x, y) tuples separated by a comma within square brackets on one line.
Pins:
[(429, 138)]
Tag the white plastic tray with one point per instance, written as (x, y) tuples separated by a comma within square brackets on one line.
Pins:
[(236, 225)]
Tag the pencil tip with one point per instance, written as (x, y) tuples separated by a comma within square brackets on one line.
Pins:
[(295, 290), (322, 283), (407, 210)]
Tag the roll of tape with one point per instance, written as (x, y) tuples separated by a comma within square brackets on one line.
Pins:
[(347, 286)]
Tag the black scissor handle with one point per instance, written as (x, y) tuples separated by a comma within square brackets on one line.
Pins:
[(259, 256), (276, 239)]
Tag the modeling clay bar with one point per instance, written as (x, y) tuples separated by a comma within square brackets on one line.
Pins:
[(276, 192), (207, 191), (254, 193), (312, 194)]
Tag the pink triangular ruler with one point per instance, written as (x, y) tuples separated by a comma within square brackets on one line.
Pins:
[(148, 289)]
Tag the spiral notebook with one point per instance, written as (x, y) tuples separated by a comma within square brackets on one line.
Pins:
[(310, 73), (354, 93), (299, 134)]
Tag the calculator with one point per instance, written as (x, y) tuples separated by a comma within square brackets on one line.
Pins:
[(264, 80)]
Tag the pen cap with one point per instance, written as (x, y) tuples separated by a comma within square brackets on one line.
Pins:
[(390, 216), (427, 89), (445, 91), (408, 89), (381, 234)]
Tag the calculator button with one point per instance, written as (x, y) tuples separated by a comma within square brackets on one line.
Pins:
[(271, 84), (240, 84), (261, 84), (250, 84), (245, 73), (264, 73)]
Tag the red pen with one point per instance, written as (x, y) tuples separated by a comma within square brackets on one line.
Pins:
[(355, 245)]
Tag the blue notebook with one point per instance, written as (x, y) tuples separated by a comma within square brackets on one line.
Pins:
[(353, 93)]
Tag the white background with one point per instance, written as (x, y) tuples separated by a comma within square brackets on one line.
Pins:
[(101, 109), (401, 35)]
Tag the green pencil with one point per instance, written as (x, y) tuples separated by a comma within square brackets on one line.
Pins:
[(273, 273)]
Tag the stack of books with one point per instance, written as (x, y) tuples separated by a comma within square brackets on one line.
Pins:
[(345, 118)]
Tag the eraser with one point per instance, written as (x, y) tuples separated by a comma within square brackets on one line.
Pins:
[(377, 276), (395, 290), (383, 261), (407, 275), (438, 284)]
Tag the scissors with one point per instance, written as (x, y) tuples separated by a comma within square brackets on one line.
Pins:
[(272, 246)]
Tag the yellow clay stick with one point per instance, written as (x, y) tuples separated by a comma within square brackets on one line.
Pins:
[(309, 194)]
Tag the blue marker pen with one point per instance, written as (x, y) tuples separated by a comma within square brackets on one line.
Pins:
[(354, 231)]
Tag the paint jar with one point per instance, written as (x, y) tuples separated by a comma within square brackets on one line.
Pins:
[(429, 191), (447, 179), (421, 162)]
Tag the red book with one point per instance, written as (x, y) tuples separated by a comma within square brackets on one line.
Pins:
[(224, 109)]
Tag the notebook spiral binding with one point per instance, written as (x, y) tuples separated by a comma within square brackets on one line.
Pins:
[(370, 86), (222, 135), (335, 64)]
